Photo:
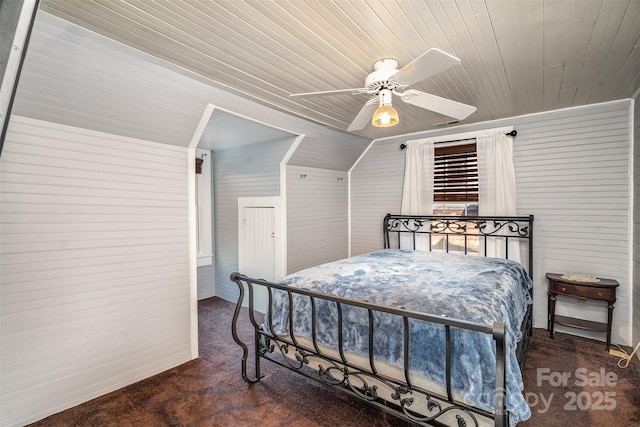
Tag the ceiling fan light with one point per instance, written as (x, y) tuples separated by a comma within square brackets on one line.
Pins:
[(385, 116)]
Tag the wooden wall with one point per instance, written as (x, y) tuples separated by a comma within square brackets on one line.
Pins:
[(247, 171), (335, 152), (572, 171), (76, 78), (636, 221), (206, 281), (94, 279), (317, 212)]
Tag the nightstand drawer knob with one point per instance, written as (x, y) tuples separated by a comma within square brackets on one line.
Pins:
[(563, 289), (599, 294)]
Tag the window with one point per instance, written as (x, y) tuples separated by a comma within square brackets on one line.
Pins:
[(455, 180), (203, 207), (455, 191), (459, 170)]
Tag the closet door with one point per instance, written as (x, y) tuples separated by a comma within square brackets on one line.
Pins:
[(256, 248)]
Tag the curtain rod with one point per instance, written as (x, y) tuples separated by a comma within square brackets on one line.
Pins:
[(512, 133)]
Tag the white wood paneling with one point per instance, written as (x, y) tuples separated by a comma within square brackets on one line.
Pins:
[(225, 130), (337, 153), (317, 228), (636, 220), (576, 166), (572, 173), (76, 77), (206, 281), (246, 171), (376, 190), (517, 57), (95, 271)]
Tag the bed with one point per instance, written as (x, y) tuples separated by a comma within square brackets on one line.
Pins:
[(432, 328)]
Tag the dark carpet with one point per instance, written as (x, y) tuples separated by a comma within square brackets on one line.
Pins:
[(568, 381)]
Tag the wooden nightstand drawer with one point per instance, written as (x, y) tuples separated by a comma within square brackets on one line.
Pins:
[(583, 292)]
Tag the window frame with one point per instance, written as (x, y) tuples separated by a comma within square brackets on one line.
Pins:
[(204, 225)]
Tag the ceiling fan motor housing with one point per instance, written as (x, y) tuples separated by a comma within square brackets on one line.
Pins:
[(384, 69)]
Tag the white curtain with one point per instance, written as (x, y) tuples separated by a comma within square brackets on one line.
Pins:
[(417, 191), (497, 187)]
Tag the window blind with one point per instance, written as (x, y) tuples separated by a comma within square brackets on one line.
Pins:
[(456, 173)]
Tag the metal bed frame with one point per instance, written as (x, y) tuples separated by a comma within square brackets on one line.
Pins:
[(357, 380)]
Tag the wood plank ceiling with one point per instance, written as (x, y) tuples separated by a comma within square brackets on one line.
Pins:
[(518, 57)]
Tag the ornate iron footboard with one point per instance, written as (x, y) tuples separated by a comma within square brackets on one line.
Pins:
[(338, 372), (365, 381)]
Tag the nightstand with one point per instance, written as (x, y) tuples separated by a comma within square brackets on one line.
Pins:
[(604, 290)]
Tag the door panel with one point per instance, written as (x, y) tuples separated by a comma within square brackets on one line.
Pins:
[(257, 248)]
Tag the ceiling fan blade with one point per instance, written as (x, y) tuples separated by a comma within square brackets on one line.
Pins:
[(330, 92), (428, 64), (435, 103), (364, 116)]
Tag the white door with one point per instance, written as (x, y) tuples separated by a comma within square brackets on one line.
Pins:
[(257, 249)]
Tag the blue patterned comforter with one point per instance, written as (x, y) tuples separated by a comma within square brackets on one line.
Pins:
[(477, 289)]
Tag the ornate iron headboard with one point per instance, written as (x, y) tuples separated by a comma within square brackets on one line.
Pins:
[(454, 233)]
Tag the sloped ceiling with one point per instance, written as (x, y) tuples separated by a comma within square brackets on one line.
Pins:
[(225, 130), (518, 57)]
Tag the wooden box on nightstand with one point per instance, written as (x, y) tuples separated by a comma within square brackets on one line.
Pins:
[(603, 290)]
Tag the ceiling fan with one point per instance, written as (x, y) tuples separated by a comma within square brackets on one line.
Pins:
[(387, 80)]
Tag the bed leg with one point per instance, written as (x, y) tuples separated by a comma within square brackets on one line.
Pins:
[(236, 338), (500, 397), (256, 355)]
